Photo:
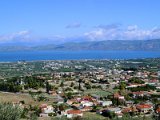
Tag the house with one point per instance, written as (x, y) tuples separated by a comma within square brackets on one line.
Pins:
[(48, 109), (86, 103), (118, 96), (116, 110), (129, 109), (87, 98), (43, 106), (105, 103), (45, 110), (100, 76), (158, 110), (153, 82), (74, 113), (129, 103), (138, 94), (71, 101), (133, 85), (144, 108)]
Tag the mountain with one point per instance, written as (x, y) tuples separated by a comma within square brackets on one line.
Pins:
[(146, 45)]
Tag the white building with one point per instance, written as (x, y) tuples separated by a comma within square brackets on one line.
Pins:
[(106, 103), (73, 113)]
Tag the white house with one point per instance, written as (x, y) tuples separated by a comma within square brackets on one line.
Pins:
[(105, 103), (86, 103), (73, 113), (45, 110)]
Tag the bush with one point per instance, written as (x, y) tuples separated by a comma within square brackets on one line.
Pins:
[(9, 112)]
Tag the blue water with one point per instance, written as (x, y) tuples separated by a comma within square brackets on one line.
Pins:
[(75, 55)]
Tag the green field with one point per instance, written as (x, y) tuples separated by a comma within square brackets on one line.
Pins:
[(99, 92)]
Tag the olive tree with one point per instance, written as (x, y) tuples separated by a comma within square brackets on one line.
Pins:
[(9, 112)]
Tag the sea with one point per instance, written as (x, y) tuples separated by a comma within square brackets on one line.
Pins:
[(75, 55)]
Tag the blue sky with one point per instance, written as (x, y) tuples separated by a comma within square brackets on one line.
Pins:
[(90, 19)]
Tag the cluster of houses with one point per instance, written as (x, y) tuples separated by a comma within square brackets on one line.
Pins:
[(79, 105), (108, 80)]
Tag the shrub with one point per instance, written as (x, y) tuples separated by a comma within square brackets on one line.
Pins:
[(9, 112)]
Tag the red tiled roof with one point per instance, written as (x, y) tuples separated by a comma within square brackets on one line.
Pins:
[(143, 106), (158, 110), (130, 109), (117, 95), (43, 106), (126, 110), (88, 98), (74, 112)]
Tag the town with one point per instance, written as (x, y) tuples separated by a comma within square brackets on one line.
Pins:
[(82, 89)]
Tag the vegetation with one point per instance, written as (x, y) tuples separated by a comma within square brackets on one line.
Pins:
[(58, 85), (9, 112), (135, 80), (143, 88), (14, 84), (128, 117)]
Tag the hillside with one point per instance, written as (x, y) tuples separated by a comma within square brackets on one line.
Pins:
[(146, 45)]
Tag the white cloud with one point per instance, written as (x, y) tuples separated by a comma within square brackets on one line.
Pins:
[(21, 35), (25, 32), (117, 32), (100, 32), (132, 28)]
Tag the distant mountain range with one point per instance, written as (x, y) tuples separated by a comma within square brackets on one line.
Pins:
[(146, 45)]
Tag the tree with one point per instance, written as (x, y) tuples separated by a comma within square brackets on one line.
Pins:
[(24, 113), (9, 112), (128, 117), (109, 114), (88, 86), (33, 116), (62, 84), (79, 82), (69, 95), (72, 84), (62, 107), (47, 87), (122, 86), (136, 80)]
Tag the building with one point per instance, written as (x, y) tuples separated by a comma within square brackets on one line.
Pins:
[(144, 108), (74, 113), (45, 110)]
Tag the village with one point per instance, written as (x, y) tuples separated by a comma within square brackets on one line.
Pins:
[(107, 88)]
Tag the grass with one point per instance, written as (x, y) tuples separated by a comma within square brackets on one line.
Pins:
[(93, 116), (86, 116), (13, 97), (98, 92)]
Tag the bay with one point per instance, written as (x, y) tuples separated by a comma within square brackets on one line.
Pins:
[(75, 55)]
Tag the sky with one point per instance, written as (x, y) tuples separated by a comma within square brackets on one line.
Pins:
[(34, 20)]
